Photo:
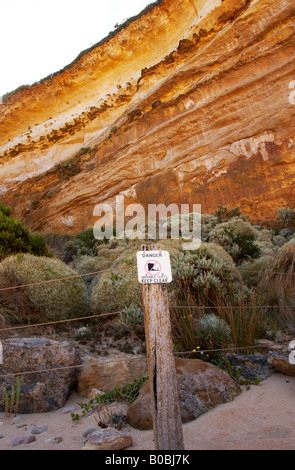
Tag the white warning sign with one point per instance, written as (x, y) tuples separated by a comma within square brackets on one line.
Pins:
[(153, 267)]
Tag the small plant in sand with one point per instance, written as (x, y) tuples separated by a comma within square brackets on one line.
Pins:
[(12, 401), (125, 394)]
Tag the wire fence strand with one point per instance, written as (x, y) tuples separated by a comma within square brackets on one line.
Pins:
[(113, 361), (90, 317), (48, 281), (118, 312), (224, 268), (68, 320)]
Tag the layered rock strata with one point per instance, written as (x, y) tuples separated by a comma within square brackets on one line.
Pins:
[(188, 103)]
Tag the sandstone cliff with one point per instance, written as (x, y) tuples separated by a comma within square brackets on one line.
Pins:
[(188, 103)]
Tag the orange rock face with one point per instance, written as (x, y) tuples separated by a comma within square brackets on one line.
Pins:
[(189, 103)]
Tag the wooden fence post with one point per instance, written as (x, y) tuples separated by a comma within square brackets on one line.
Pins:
[(166, 413)]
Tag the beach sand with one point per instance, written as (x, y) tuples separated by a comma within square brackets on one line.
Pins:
[(261, 418)]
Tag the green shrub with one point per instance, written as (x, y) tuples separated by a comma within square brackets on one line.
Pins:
[(68, 168), (247, 247), (56, 243), (15, 238), (224, 214), (126, 393), (115, 290), (53, 300), (203, 281), (5, 210), (119, 288), (71, 249), (129, 323), (212, 332), (39, 245), (71, 166), (86, 264), (83, 244), (87, 238), (237, 237), (208, 222), (251, 270), (106, 255), (130, 317), (206, 274), (112, 131)]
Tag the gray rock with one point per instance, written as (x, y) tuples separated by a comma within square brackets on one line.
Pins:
[(251, 367), (286, 232), (55, 440), (68, 410), (39, 430), (22, 425), (1, 436), (44, 391), (17, 441), (280, 361), (16, 419)]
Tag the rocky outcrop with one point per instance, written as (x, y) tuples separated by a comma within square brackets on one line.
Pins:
[(39, 391), (281, 362), (189, 103), (251, 367), (201, 387)]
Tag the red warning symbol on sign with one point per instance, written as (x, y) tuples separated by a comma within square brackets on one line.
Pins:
[(153, 267)]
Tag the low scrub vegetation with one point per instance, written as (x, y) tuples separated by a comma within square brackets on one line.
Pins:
[(53, 300), (236, 288), (15, 238)]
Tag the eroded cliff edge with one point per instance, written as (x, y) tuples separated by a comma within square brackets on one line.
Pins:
[(189, 103)]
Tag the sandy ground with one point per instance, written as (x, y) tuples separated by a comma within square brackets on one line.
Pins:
[(261, 418)]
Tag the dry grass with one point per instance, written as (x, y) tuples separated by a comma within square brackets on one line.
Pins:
[(245, 316), (277, 287), (243, 313), (15, 306)]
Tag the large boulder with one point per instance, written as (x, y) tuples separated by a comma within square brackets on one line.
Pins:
[(108, 374), (201, 387), (40, 391)]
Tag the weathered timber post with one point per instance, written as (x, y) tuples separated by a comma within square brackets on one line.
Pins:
[(161, 366)]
